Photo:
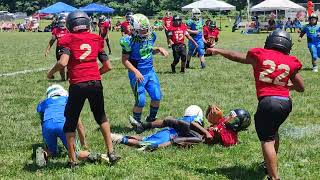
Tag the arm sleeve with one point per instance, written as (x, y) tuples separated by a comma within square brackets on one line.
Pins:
[(125, 44), (40, 108)]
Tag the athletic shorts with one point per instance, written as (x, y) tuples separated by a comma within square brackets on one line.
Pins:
[(194, 50), (272, 111), (50, 132), (78, 93), (179, 51), (58, 52), (314, 50)]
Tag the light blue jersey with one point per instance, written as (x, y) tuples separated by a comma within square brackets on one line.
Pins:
[(196, 25)]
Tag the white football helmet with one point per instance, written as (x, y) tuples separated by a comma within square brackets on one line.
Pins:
[(56, 90), (141, 25), (195, 110), (196, 13)]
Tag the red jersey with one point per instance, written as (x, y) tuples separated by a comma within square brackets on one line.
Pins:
[(177, 34), (167, 21), (58, 33), (125, 27), (84, 48), (104, 27), (210, 35), (227, 137), (272, 71)]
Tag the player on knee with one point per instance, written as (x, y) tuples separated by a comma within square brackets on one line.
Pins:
[(51, 111), (195, 26), (80, 52), (274, 70), (211, 35), (312, 30), (176, 34), (137, 57), (104, 26), (57, 33)]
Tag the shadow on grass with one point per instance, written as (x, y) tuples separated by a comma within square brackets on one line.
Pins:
[(119, 129), (32, 167), (306, 69)]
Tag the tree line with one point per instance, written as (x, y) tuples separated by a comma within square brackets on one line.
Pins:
[(148, 7)]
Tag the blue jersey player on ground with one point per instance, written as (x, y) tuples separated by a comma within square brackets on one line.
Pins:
[(195, 29), (137, 52), (312, 31)]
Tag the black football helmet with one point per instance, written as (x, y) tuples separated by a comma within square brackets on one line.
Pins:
[(78, 21), (279, 40), (129, 16), (176, 20), (240, 120), (212, 24), (62, 21)]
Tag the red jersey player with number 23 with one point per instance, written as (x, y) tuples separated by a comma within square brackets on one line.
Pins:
[(80, 50), (273, 70)]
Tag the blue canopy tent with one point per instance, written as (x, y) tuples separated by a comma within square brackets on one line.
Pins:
[(58, 7), (96, 8)]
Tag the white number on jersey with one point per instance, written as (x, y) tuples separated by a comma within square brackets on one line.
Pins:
[(277, 81)]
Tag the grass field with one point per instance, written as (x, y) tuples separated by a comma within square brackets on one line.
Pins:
[(228, 84)]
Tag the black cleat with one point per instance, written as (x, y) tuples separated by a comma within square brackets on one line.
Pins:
[(113, 158), (173, 68)]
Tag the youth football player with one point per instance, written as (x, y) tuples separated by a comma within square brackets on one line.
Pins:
[(80, 52), (137, 57), (176, 34), (195, 26), (104, 26), (166, 23), (273, 67), (312, 30), (51, 111), (125, 26), (210, 34), (57, 33)]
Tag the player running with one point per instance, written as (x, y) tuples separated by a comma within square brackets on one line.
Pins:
[(312, 30), (104, 27), (176, 34), (125, 26), (210, 34), (195, 26), (57, 33), (80, 52), (273, 69), (166, 23), (137, 57)]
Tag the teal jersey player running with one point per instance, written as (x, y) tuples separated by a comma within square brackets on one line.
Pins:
[(137, 52)]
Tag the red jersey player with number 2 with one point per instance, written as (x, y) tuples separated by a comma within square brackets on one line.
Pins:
[(80, 50), (273, 69), (176, 34)]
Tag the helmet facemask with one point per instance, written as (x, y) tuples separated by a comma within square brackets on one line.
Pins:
[(141, 26), (177, 21)]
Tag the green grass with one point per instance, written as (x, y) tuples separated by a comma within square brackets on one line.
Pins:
[(226, 83)]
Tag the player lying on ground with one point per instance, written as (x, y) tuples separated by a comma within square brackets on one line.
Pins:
[(80, 52), (57, 33), (189, 129), (273, 69), (176, 34), (137, 57), (51, 112), (313, 38)]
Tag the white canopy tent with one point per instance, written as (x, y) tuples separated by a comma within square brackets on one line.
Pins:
[(271, 5), (210, 5)]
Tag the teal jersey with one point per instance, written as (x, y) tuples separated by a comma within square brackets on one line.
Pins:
[(196, 25)]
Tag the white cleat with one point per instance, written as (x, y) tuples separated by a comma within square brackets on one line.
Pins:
[(116, 138)]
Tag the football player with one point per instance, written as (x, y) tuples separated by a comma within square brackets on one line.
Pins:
[(176, 34), (195, 26), (57, 33), (51, 111), (137, 57), (312, 30), (80, 52), (210, 34), (276, 73), (104, 27), (125, 26), (166, 23)]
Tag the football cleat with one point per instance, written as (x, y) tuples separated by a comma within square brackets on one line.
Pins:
[(315, 69), (173, 68), (113, 158), (203, 65), (137, 126), (116, 138), (40, 157)]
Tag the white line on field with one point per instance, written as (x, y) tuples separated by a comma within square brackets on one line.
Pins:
[(38, 70)]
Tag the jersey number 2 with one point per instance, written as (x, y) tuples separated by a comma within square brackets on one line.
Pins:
[(277, 81), (87, 52)]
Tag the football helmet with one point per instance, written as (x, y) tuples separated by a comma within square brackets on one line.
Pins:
[(194, 110), (62, 21), (140, 25), (56, 90), (102, 19), (212, 25), (78, 21), (177, 20), (129, 16), (313, 16), (214, 114), (168, 14), (196, 13), (279, 40), (238, 120)]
